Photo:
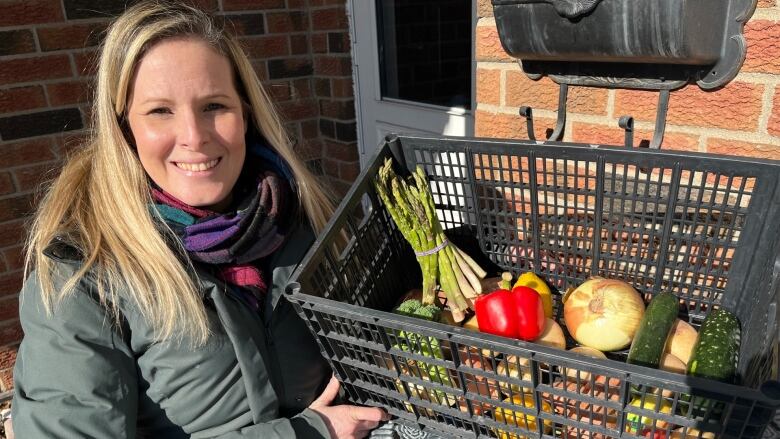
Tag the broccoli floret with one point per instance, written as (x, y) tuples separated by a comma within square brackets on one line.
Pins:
[(414, 308)]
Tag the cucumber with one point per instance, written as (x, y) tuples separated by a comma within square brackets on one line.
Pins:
[(656, 325), (716, 349)]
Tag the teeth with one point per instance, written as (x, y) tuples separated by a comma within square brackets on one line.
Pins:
[(197, 166)]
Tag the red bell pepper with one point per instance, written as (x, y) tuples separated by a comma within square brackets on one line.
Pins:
[(516, 314), (530, 313)]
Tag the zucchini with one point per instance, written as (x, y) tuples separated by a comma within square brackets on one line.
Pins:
[(716, 349), (656, 325)]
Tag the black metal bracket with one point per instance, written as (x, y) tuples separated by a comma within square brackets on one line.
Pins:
[(627, 123), (560, 124)]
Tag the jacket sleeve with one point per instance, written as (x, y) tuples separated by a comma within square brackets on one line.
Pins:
[(305, 425), (74, 374)]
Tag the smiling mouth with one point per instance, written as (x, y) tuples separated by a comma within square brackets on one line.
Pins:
[(197, 167)]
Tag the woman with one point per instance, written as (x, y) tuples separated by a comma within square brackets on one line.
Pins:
[(153, 306)]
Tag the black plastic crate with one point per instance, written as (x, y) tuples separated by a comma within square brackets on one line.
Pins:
[(699, 225)]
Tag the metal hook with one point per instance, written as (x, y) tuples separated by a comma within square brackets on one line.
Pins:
[(627, 123), (660, 119), (560, 124)]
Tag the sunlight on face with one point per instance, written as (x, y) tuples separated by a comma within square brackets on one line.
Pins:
[(187, 121)]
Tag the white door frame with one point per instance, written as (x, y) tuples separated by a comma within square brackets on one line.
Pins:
[(375, 114)]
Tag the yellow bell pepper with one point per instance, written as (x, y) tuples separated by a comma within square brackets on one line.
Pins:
[(531, 280), (520, 419)]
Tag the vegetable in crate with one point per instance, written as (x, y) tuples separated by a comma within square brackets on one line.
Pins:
[(411, 206), (603, 313), (531, 280), (681, 340), (654, 330), (420, 344), (516, 314), (717, 347)]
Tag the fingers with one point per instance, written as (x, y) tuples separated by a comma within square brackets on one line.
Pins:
[(369, 414), (328, 395)]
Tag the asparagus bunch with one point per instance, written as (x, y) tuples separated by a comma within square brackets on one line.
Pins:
[(411, 206)]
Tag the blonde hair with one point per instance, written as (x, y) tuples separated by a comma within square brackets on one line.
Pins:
[(100, 201)]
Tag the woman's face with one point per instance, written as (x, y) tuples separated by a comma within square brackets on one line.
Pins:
[(187, 121)]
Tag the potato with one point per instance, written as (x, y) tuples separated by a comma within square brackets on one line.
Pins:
[(681, 340)]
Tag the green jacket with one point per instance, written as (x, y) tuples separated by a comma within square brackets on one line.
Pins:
[(77, 375)]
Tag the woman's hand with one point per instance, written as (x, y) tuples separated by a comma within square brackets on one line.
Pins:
[(346, 421)]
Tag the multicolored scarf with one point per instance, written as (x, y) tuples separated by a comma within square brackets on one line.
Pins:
[(236, 241)]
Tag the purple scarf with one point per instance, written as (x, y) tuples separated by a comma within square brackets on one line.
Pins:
[(234, 241)]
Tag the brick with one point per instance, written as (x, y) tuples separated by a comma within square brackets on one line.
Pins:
[(6, 379), (314, 166), (349, 171), (333, 66), (343, 110), (279, 91), (206, 5), (587, 100), (68, 142), (285, 22), (21, 98), (16, 207), (319, 43), (78, 9), (289, 68), (740, 148), (37, 124), (520, 90), (6, 183), (489, 86), (328, 128), (7, 357), (338, 42), (325, 2), (309, 149), (484, 8), (736, 106), (296, 4), (342, 87), (346, 131), (261, 69), (773, 126), (12, 233), (9, 308), (14, 259), (32, 178), (763, 40), (509, 126), (488, 45), (10, 332), (78, 36), (330, 167), (34, 69), (322, 87), (267, 47), (66, 93), (329, 19), (298, 110), (247, 24), (339, 188), (614, 135), (15, 42), (21, 12), (346, 152), (766, 3), (86, 62), (309, 129), (251, 5), (11, 283), (299, 44), (24, 153), (301, 88)]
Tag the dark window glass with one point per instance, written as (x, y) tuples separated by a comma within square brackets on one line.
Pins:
[(425, 51)]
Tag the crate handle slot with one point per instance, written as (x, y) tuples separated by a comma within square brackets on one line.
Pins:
[(627, 123), (560, 124)]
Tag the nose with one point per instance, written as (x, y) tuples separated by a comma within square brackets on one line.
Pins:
[(192, 130)]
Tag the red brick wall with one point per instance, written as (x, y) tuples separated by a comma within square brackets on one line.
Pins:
[(300, 49), (742, 118)]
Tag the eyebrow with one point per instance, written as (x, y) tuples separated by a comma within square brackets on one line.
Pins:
[(156, 100)]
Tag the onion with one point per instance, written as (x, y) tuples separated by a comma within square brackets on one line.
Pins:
[(603, 313)]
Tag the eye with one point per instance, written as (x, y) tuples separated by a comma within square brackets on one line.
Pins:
[(160, 110), (214, 106)]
